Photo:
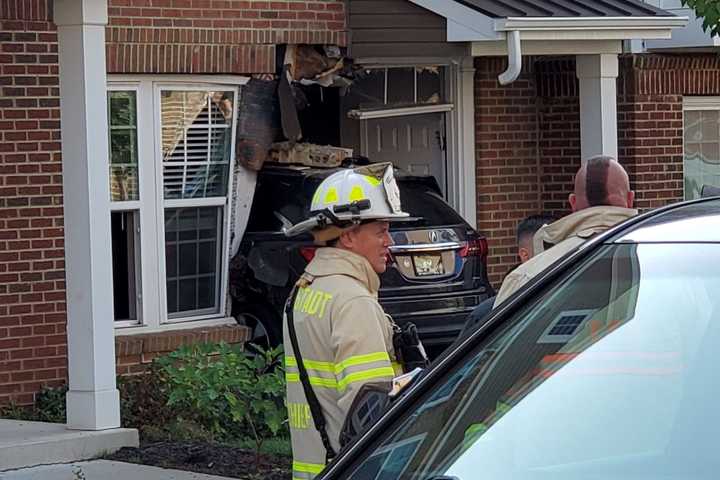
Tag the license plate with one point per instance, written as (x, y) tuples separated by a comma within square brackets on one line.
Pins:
[(426, 265)]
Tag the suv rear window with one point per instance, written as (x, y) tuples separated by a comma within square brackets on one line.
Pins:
[(290, 196)]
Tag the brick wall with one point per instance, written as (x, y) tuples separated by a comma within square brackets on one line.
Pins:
[(32, 290), (559, 131), (215, 36), (143, 36), (650, 120), (651, 88), (506, 157), (135, 352)]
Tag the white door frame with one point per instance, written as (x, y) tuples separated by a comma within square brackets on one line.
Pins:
[(459, 126)]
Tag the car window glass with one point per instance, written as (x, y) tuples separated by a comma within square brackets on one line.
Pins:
[(610, 373), (423, 203)]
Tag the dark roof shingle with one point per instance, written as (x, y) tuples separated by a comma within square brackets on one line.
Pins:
[(564, 8)]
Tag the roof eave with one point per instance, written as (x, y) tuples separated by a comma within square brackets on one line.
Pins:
[(595, 23), (467, 25), (591, 28)]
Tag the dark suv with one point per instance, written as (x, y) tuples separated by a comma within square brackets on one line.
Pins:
[(438, 272)]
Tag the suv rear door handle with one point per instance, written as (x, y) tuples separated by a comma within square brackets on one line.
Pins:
[(426, 247)]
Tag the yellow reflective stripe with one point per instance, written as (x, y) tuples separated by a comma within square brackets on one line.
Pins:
[(475, 428), (338, 368), (365, 375), (361, 360), (308, 467), (315, 365), (331, 196), (371, 374), (357, 193), (317, 381), (372, 180)]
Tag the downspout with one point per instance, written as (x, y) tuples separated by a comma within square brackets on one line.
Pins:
[(514, 58)]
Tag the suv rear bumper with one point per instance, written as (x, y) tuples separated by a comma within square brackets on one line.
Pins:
[(439, 318)]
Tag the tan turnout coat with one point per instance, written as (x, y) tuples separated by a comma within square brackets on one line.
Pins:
[(345, 340), (554, 241)]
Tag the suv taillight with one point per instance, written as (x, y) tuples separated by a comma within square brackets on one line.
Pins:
[(476, 247), (308, 253)]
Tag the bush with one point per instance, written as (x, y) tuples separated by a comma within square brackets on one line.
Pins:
[(143, 404), (228, 390), (50, 404), (49, 407)]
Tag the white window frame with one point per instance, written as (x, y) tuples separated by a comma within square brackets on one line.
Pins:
[(460, 125), (152, 308), (135, 206), (696, 104)]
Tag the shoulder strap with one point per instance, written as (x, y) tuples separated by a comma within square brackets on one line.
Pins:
[(313, 402)]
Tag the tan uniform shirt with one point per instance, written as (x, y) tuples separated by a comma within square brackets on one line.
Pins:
[(345, 340), (562, 236)]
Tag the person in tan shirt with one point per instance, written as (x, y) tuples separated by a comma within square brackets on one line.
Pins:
[(601, 199)]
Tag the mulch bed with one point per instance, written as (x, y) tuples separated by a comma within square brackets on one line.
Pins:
[(212, 459)]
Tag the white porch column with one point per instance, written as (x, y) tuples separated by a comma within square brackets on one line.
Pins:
[(462, 173), (598, 104), (92, 401)]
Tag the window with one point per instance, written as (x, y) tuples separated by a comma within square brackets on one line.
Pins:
[(397, 87), (171, 157), (702, 144)]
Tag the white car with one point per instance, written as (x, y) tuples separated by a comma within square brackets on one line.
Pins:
[(604, 367)]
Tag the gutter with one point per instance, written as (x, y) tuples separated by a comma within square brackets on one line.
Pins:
[(579, 23), (514, 59)]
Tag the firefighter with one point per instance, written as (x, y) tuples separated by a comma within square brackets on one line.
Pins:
[(601, 199), (333, 317)]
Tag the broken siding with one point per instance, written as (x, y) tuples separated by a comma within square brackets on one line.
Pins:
[(398, 28)]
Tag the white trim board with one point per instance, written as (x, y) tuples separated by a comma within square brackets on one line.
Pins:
[(465, 24), (588, 23), (182, 78), (701, 103), (536, 47), (359, 114)]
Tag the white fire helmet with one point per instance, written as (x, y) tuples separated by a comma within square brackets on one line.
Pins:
[(350, 197)]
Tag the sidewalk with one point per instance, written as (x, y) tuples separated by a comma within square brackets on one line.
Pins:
[(26, 444), (102, 470)]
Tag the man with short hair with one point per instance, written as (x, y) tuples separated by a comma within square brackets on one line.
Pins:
[(601, 199), (526, 231)]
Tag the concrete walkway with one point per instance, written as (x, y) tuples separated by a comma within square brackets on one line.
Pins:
[(102, 470), (27, 444)]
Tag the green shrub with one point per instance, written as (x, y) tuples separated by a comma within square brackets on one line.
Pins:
[(50, 404), (228, 390), (143, 404), (13, 411), (49, 407)]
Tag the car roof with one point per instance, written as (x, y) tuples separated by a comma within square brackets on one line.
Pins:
[(689, 222), (321, 173)]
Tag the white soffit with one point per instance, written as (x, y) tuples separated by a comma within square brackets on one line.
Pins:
[(465, 24)]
